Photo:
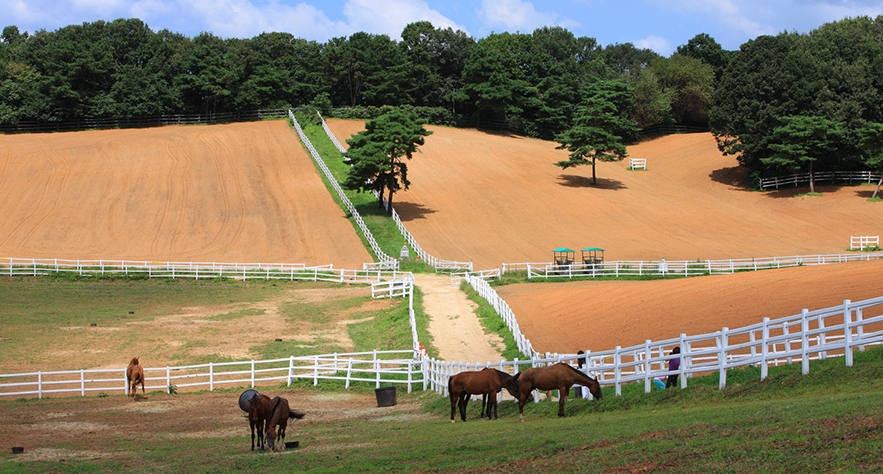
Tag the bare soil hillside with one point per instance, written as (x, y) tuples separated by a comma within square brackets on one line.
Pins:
[(490, 199), (244, 192), (600, 315)]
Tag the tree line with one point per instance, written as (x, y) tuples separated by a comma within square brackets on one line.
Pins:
[(761, 101)]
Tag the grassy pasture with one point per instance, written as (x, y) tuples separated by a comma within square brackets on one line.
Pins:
[(828, 421), (48, 321)]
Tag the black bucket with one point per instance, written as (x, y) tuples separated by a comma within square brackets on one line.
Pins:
[(386, 396), (18, 449), (245, 397)]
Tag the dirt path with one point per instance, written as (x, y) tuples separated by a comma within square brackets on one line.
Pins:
[(453, 324)]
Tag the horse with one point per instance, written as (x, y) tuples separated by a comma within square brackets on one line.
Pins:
[(134, 376), (277, 421), (559, 376), (484, 382), (258, 412)]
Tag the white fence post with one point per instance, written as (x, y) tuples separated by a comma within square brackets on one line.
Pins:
[(765, 349), (847, 333), (617, 370), (804, 342), (647, 368), (722, 358)]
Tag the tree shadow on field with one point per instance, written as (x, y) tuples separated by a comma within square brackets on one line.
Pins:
[(573, 181), (409, 211), (731, 176)]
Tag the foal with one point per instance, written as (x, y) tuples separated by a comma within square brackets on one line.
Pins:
[(258, 411), (134, 376), (277, 421)]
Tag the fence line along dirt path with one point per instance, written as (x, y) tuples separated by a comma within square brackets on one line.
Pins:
[(453, 324)]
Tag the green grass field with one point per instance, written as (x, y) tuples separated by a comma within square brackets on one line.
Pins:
[(827, 421)]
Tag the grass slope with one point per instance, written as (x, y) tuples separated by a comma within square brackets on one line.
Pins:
[(829, 420)]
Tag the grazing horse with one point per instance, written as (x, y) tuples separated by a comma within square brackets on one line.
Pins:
[(277, 421), (559, 376), (258, 412), (134, 376), (483, 382)]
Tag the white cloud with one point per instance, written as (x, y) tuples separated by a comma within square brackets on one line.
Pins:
[(391, 16), (657, 43), (517, 15)]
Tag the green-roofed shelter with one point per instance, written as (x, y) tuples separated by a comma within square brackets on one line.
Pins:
[(593, 255), (564, 256)]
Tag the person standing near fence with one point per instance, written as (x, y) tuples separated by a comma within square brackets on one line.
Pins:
[(673, 364)]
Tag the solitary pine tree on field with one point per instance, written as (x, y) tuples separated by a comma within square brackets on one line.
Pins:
[(378, 154), (594, 135)]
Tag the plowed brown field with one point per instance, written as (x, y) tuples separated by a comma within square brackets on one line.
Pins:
[(244, 192), (492, 199)]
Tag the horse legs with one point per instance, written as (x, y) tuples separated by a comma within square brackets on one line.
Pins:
[(464, 400), (454, 398), (251, 424), (562, 397)]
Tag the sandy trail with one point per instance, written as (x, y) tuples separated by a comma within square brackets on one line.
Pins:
[(455, 330)]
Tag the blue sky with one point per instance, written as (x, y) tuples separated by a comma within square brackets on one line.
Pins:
[(661, 25)]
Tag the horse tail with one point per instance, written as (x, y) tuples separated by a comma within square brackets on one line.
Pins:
[(450, 385)]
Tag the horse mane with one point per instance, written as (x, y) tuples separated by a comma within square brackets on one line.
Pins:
[(577, 371)]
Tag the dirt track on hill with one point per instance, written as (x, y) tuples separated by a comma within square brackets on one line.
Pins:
[(244, 192)]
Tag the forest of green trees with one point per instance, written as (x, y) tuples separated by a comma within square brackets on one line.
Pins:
[(767, 102)]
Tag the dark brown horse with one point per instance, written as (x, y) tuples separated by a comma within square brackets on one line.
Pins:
[(483, 382), (559, 376), (134, 376), (277, 421), (258, 412)]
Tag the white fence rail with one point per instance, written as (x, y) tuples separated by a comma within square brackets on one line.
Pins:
[(831, 176), (331, 136), (810, 335), (385, 260), (195, 270), (681, 267), (864, 242), (377, 367)]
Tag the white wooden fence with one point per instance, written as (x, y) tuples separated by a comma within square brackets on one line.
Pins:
[(836, 331), (680, 267), (386, 261), (638, 163), (810, 335), (377, 367), (864, 242), (331, 136), (195, 270), (831, 176)]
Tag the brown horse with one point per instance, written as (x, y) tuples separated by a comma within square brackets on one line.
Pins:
[(483, 382), (559, 376), (258, 411), (134, 376), (277, 421)]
